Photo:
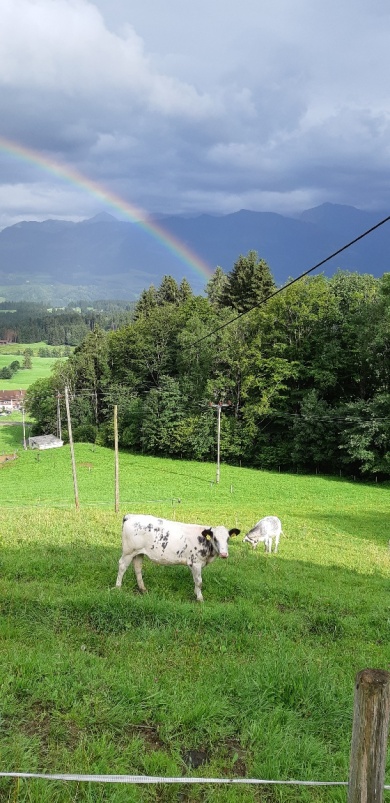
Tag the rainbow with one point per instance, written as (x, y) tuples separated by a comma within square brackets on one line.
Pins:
[(136, 215)]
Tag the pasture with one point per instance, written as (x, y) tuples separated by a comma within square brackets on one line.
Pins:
[(41, 368), (255, 682), (17, 349)]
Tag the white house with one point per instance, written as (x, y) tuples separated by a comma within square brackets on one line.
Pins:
[(44, 442), (11, 399)]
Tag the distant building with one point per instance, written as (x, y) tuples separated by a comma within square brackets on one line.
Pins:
[(45, 442), (11, 399)]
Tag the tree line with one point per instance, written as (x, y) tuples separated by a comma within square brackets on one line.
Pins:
[(305, 376), (32, 322)]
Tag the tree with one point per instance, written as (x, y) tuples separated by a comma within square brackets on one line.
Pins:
[(41, 403), (185, 290), (249, 282), (365, 439), (316, 433), (27, 360), (168, 292), (216, 286), (146, 303), (140, 354), (162, 411)]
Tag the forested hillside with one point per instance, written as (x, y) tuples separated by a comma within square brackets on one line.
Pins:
[(25, 322), (305, 376)]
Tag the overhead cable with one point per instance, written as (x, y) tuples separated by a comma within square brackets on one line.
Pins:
[(289, 284)]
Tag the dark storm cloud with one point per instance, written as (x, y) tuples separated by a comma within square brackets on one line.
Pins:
[(210, 107)]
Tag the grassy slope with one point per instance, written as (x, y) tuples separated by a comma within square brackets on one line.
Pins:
[(260, 677), (41, 368)]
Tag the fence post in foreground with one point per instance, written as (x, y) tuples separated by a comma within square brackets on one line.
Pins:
[(369, 736)]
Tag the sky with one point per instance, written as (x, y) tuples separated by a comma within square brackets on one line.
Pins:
[(189, 108)]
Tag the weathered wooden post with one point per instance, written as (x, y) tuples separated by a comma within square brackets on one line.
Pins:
[(219, 408), (116, 458), (369, 736), (75, 486)]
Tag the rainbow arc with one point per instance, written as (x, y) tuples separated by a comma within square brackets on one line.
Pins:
[(114, 201)]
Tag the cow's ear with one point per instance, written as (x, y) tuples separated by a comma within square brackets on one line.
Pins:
[(234, 531), (207, 534)]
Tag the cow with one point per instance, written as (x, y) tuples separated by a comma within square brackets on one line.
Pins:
[(265, 530), (168, 543)]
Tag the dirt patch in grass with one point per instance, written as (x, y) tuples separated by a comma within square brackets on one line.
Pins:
[(48, 727), (7, 458), (149, 734), (195, 758), (236, 756)]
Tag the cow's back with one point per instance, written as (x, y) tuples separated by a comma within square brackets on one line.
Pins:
[(269, 526)]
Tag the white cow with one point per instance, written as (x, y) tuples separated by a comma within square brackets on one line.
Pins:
[(265, 530), (170, 542)]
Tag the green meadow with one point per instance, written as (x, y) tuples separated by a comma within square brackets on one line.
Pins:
[(17, 349), (41, 368), (256, 682)]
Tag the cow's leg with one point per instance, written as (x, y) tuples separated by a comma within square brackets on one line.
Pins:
[(124, 563), (137, 566), (276, 542), (196, 570)]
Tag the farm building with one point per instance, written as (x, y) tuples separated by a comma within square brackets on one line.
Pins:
[(11, 399), (44, 442)]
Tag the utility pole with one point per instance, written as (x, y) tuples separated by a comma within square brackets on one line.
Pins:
[(219, 408), (59, 433), (24, 430)]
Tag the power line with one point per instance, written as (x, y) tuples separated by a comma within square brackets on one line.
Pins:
[(289, 284)]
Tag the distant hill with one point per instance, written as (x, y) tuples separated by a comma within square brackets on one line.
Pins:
[(107, 258)]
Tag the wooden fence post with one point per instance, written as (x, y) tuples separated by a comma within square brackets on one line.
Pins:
[(116, 458), (369, 736), (75, 486)]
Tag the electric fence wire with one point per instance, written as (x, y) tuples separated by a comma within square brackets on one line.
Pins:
[(153, 779)]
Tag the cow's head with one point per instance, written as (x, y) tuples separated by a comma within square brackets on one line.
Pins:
[(218, 538), (249, 539)]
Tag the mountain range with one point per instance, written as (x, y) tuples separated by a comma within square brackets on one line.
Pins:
[(59, 261)]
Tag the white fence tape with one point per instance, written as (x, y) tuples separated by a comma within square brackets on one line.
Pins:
[(160, 779)]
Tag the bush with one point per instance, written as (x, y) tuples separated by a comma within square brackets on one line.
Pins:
[(85, 433)]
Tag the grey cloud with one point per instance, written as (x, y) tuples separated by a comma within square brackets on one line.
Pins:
[(203, 108)]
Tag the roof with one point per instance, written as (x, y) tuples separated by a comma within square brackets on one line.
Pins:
[(45, 440), (12, 395)]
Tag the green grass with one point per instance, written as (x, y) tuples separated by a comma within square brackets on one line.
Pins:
[(17, 349), (41, 368), (259, 678)]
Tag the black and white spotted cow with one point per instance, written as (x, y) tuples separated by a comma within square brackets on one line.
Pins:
[(168, 543)]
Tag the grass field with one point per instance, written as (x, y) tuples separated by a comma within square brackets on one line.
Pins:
[(17, 349), (41, 368), (258, 679)]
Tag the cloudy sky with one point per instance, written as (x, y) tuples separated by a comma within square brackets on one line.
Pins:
[(209, 106)]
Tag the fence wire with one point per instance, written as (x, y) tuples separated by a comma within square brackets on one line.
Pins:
[(157, 779)]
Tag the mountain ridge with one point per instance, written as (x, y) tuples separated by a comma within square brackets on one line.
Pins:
[(103, 256)]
